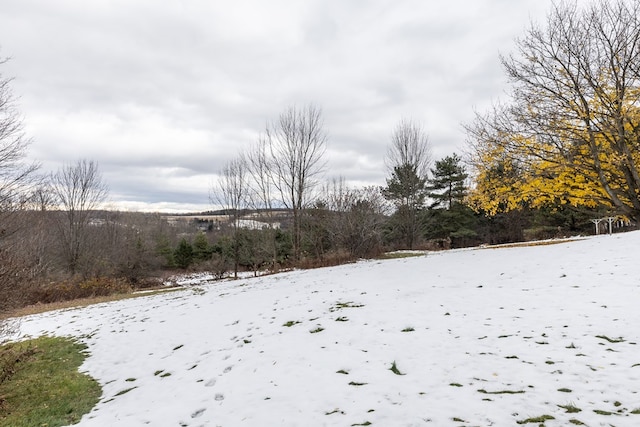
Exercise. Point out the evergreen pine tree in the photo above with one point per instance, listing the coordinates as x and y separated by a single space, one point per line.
407 190
183 255
163 249
201 249
448 217
447 187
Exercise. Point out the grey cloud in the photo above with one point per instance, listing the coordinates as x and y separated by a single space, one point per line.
162 94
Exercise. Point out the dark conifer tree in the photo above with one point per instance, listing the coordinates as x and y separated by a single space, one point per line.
447 185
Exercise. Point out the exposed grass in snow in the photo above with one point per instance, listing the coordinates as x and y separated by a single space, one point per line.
537 335
394 369
571 409
611 340
537 420
46 388
290 323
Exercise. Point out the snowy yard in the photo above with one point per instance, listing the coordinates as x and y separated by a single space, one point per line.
476 337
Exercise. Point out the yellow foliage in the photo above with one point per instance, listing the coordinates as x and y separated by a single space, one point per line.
588 162
509 179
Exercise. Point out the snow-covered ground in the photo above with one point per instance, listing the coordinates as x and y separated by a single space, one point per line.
480 337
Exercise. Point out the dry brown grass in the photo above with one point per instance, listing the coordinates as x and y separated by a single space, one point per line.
328 260
77 303
532 243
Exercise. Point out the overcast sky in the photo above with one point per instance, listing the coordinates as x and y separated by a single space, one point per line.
162 93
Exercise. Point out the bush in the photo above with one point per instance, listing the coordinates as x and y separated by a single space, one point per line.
542 232
329 259
217 265
70 290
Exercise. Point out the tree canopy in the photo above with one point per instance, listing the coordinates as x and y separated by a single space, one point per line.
570 131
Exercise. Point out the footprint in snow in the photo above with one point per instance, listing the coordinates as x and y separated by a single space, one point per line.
219 397
227 369
210 383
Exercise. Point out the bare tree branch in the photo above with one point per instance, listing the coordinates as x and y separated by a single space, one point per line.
297 144
409 146
79 190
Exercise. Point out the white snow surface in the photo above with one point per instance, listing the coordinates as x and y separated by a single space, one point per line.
483 337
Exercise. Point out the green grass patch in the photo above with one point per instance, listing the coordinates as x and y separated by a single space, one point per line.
635 411
394 369
576 422
45 388
483 391
125 391
455 385
611 340
340 305
342 319
342 371
409 329
571 409
316 330
601 412
353 383
290 323
540 419
565 390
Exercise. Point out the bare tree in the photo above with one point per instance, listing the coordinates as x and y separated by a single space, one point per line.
232 193
42 199
17 178
261 196
409 146
408 159
79 190
297 144
356 217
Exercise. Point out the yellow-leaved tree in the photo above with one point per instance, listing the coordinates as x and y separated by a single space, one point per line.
570 132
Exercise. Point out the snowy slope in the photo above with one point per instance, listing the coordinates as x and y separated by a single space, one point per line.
482 337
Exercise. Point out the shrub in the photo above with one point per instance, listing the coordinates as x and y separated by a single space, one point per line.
542 232
70 290
217 264
329 259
